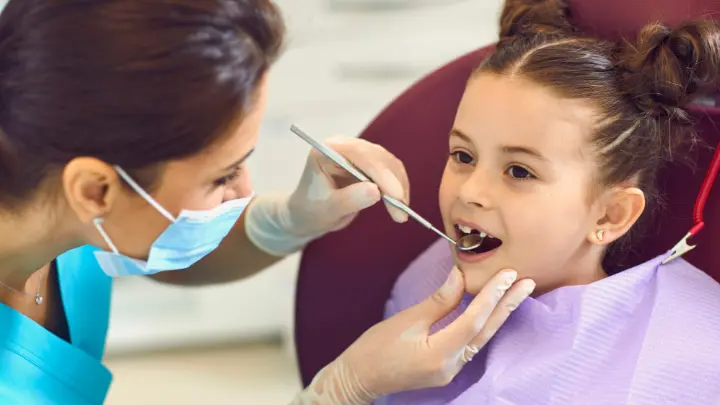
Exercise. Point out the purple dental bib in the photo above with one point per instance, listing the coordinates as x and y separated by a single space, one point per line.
649 335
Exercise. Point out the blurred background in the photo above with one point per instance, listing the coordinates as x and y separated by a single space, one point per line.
345 60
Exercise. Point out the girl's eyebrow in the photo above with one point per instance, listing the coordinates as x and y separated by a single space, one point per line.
512 150
508 149
458 133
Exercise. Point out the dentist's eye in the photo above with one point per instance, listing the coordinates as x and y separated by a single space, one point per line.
519 173
222 181
462 157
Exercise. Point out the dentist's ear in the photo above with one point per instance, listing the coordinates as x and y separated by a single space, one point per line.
91 187
620 209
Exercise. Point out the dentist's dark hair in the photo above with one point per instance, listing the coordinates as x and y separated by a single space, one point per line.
131 82
640 88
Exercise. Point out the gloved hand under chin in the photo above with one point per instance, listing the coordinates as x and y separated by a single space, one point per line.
327 197
400 353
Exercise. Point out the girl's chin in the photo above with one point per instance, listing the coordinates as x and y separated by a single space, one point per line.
475 278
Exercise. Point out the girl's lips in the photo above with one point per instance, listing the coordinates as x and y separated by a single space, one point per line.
469 257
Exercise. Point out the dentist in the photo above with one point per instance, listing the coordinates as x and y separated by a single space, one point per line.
125 126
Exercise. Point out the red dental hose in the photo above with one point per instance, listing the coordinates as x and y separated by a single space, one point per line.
704 194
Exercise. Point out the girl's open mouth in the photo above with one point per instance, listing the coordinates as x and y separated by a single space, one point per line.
489 242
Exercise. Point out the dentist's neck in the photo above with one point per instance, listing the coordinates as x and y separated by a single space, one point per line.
29 240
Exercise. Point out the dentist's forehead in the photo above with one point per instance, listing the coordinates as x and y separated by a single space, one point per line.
239 141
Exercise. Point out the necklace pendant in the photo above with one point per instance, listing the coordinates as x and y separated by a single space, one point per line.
38 299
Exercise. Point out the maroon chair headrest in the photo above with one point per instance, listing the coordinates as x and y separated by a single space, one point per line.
614 19
346 277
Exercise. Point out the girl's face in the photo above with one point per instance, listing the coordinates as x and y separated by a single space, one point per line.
521 170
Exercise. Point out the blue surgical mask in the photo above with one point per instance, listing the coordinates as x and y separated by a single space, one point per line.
190 237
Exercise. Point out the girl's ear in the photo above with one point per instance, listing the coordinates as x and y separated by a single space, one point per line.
620 209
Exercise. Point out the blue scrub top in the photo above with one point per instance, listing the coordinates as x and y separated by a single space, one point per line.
36 366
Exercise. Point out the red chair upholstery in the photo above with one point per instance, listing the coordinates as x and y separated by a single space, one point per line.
346 277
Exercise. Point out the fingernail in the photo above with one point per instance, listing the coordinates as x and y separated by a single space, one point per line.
528 288
452 278
404 217
391 184
397 215
509 278
451 281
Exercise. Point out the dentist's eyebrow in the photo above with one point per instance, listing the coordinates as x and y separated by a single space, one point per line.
239 161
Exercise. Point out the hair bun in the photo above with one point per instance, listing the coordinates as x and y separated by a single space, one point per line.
668 68
522 18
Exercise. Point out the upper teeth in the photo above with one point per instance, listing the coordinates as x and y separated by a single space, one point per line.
468 230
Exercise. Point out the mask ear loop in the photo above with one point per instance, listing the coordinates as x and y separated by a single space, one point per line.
99 221
682 246
98 224
144 194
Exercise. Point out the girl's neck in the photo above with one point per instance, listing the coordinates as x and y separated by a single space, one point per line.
584 268
587 268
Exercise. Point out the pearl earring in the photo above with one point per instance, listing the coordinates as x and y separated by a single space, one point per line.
599 234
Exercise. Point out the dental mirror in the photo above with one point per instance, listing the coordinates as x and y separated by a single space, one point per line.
469 242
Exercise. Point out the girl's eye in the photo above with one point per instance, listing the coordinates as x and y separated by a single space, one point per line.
462 157
227 179
519 173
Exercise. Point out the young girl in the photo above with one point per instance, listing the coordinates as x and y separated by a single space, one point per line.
553 156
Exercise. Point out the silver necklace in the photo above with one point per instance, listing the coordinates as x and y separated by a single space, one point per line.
38 297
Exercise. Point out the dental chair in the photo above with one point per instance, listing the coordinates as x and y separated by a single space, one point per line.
345 278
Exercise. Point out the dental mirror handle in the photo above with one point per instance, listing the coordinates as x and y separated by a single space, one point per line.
342 162
414 215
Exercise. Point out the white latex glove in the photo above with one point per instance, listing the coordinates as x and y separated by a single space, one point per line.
399 354
327 197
